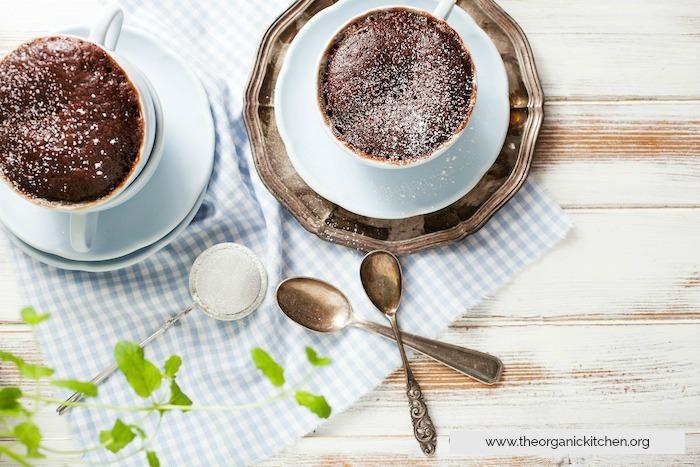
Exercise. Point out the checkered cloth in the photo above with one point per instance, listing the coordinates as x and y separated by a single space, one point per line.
91 312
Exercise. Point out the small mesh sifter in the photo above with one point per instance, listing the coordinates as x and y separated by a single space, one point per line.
227 282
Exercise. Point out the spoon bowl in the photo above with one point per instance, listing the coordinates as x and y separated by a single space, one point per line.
382 279
314 304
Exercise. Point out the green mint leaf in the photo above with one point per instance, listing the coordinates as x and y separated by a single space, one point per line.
152 459
269 367
27 370
88 389
14 412
9 402
316 404
8 397
118 437
177 397
16 457
28 434
143 376
171 366
30 317
315 360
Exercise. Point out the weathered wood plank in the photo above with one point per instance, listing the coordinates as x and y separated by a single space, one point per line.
615 264
619 130
610 66
612 50
617 154
629 17
555 376
394 451
25 19
10 300
638 182
631 154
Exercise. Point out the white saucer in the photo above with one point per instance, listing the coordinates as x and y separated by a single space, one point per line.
377 192
112 264
174 190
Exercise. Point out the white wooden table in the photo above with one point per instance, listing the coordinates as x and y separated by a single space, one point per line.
604 331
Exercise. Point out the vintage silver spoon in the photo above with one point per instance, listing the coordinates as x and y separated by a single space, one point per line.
321 307
380 273
227 282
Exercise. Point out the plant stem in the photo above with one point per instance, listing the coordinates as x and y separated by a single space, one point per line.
306 379
12 454
69 452
9 428
37 393
213 408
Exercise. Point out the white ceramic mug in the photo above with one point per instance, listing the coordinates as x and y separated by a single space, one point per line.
441 12
84 216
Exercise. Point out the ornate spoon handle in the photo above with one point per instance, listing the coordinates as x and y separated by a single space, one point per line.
423 428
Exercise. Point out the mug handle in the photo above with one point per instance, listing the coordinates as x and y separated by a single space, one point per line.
82 230
108 27
444 8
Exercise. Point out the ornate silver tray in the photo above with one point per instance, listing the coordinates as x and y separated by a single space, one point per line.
400 236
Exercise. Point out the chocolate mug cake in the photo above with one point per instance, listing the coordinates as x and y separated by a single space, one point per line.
395 85
71 123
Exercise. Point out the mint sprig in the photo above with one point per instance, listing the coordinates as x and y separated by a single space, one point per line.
18 408
275 374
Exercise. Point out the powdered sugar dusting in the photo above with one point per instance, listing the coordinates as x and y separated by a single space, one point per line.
396 85
227 281
70 122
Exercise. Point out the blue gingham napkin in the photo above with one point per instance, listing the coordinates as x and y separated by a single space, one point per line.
91 312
